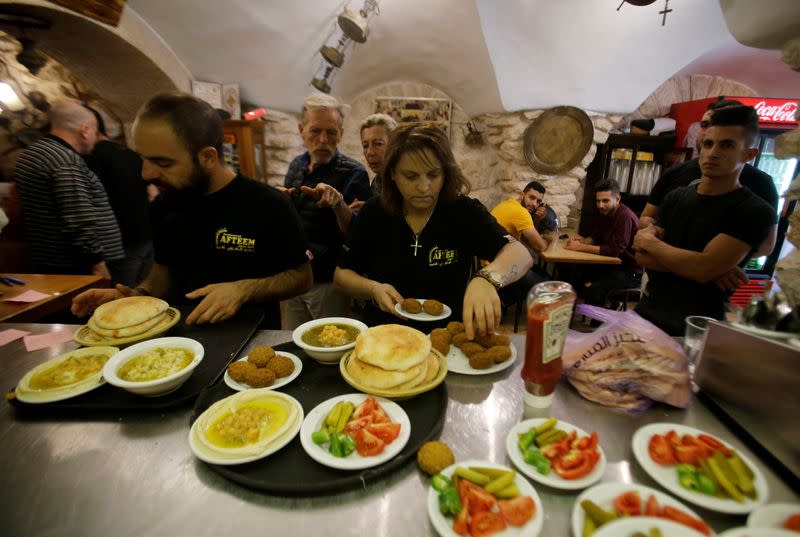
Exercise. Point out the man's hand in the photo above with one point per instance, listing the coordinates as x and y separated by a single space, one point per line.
645 237
325 194
481 308
356 205
574 244
100 269
285 190
646 221
731 280
539 214
88 301
386 296
222 301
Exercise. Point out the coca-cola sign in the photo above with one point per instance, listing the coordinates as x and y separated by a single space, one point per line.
778 111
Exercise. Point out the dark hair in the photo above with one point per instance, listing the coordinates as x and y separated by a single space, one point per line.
607 184
101 125
722 103
738 116
536 185
415 139
193 121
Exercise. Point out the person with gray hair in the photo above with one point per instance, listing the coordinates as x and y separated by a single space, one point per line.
69 223
375 131
322 183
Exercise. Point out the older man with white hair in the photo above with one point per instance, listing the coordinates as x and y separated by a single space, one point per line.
322 184
69 223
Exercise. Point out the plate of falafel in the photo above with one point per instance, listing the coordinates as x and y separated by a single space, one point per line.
420 309
482 355
263 367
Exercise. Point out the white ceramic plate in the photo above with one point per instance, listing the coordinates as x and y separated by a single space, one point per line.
422 316
457 362
603 495
552 479
444 526
628 526
772 515
774 334
794 341
354 461
239 386
758 532
205 455
667 477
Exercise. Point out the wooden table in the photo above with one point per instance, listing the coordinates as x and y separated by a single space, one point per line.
61 287
557 253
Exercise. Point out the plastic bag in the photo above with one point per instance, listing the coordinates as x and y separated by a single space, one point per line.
627 362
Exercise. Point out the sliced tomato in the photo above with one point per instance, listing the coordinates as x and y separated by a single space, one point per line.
703 451
571 460
661 450
687 520
367 444
465 487
793 523
673 438
714 444
480 500
582 464
555 450
518 511
593 441
385 431
651 508
688 454
366 407
461 522
380 415
486 523
354 425
628 503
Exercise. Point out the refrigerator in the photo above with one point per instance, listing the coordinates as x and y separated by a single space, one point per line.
776 116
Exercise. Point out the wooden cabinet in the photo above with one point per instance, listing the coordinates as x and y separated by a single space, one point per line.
636 163
244 148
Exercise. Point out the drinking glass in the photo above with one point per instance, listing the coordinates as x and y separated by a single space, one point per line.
696 326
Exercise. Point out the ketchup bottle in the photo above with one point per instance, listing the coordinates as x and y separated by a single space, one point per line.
549 312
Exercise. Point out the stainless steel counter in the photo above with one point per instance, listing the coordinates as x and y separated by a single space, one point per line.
135 475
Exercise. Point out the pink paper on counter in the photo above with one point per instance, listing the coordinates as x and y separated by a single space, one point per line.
42 341
28 296
12 334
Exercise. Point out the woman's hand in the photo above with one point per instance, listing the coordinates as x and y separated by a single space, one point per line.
481 308
386 296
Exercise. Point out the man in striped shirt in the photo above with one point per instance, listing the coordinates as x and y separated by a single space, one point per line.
69 223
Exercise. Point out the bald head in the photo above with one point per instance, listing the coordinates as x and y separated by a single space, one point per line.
75 124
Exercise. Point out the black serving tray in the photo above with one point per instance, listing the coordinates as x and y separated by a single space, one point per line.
290 471
222 342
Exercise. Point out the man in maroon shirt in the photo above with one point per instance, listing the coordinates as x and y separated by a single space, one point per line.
615 227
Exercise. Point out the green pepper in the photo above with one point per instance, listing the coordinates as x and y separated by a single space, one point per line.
320 437
534 457
526 440
336 448
706 485
449 502
687 476
440 483
346 442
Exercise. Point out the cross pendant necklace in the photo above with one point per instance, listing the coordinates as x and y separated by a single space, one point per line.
416 246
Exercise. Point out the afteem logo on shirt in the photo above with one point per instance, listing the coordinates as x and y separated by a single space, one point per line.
439 257
232 242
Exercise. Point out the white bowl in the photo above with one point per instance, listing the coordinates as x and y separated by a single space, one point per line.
162 386
326 355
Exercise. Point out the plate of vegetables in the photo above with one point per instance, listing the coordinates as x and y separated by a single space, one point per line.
645 526
776 515
355 431
608 503
556 453
481 498
700 468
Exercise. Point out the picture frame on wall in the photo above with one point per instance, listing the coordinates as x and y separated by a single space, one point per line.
210 92
417 110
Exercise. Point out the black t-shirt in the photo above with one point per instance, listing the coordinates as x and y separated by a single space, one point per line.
757 181
245 230
379 247
690 221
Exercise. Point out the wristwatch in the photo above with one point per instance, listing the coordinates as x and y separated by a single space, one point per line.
490 276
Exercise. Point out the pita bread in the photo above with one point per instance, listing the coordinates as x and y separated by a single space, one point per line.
129 311
374 377
134 330
433 369
392 347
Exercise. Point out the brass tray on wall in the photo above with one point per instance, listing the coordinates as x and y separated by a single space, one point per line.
558 139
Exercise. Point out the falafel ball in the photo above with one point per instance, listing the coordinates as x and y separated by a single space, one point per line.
411 305
433 307
239 370
440 340
281 366
459 339
259 356
434 456
481 360
470 347
455 327
492 340
260 377
499 353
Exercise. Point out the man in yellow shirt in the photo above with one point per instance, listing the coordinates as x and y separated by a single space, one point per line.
515 214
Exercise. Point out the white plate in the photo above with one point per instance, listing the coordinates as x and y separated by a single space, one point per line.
794 341
774 334
603 495
552 479
772 515
205 455
422 316
457 362
667 477
758 532
628 526
354 461
444 526
239 386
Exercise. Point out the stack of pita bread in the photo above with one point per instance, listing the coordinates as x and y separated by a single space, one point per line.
128 317
392 357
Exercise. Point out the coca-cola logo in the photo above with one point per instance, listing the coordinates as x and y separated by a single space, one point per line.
776 114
